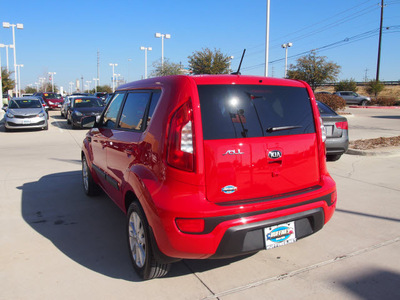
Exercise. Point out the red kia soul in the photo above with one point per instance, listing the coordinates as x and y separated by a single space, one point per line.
210 166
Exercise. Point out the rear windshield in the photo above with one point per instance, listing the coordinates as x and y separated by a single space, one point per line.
240 111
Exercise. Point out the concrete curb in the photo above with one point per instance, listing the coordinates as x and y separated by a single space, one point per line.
389 151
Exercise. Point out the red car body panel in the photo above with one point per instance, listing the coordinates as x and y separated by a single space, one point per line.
136 163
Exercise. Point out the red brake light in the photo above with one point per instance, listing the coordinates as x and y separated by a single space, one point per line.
342 125
180 139
190 225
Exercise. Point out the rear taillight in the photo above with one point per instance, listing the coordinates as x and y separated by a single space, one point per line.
342 125
180 153
323 130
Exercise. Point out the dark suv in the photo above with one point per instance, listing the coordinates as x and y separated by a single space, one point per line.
210 166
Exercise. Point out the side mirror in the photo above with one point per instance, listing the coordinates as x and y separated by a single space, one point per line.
89 122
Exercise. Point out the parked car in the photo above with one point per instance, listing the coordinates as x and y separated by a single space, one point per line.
81 107
210 166
337 132
6 99
66 104
101 95
353 98
23 113
53 100
44 104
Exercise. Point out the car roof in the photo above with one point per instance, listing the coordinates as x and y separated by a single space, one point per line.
158 82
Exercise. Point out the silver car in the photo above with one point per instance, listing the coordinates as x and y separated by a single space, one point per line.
24 113
354 98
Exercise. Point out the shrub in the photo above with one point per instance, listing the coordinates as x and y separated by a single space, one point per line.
346 85
375 87
384 101
333 101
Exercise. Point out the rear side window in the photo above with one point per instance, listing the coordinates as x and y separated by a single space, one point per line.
134 111
240 111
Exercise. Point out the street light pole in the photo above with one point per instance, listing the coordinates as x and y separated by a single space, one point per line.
52 80
70 87
19 26
1 81
88 84
286 46
162 36
267 41
19 79
113 76
145 59
95 80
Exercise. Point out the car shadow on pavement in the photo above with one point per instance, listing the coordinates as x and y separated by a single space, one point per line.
376 284
89 230
387 117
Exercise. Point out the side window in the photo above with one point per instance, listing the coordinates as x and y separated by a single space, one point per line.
110 116
154 100
134 111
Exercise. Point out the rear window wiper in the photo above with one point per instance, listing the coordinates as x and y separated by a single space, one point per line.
273 129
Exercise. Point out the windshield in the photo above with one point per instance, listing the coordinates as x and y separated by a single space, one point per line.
25 104
82 102
241 111
50 96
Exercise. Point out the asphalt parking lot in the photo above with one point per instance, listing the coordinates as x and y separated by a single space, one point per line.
56 243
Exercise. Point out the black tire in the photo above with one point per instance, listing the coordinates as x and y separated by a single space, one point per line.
140 248
363 103
68 120
333 157
89 186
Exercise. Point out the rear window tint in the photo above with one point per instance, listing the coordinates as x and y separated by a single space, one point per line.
239 111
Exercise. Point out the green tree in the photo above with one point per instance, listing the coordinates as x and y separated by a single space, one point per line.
209 62
104 88
169 68
30 90
346 85
7 82
313 69
375 87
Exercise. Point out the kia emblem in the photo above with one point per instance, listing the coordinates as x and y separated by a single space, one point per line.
275 154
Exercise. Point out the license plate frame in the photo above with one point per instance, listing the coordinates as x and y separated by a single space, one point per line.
280 235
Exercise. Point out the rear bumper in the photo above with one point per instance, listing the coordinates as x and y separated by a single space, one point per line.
249 238
236 230
337 145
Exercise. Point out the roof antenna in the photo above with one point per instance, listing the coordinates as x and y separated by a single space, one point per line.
238 70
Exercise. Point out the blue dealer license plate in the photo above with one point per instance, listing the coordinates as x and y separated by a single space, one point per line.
279 235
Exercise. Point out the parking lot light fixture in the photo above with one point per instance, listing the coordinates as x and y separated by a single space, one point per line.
145 59
113 75
286 46
19 26
96 83
52 80
162 36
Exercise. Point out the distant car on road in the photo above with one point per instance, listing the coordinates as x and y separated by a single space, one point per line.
81 107
353 98
23 113
337 132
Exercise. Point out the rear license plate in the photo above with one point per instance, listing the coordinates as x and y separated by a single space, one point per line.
26 121
329 130
279 235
